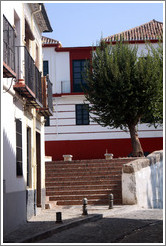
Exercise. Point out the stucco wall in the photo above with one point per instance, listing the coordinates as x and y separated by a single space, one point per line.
59 67
18 198
142 181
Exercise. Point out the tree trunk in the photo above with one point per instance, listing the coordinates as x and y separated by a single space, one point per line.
136 145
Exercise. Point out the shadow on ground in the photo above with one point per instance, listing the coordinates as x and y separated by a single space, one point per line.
111 230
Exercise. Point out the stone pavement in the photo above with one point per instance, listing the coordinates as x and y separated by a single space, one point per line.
44 225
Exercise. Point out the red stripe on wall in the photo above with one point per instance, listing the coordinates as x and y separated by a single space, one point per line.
95 149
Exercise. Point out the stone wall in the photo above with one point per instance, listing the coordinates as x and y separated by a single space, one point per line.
142 181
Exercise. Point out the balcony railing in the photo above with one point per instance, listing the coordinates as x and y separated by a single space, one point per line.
38 84
28 78
49 93
8 50
47 109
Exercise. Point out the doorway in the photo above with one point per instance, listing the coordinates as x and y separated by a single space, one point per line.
29 157
38 162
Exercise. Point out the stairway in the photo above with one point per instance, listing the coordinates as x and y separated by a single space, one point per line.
68 183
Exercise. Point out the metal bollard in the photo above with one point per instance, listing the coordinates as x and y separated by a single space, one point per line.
111 200
84 207
58 217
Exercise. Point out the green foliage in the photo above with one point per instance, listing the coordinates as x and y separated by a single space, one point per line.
122 88
153 66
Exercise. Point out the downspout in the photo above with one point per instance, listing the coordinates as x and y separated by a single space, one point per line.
33 161
39 10
34 164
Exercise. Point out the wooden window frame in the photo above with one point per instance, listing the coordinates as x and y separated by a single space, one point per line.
78 75
82 114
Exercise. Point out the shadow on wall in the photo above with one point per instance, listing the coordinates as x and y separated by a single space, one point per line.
156 178
14 202
9 156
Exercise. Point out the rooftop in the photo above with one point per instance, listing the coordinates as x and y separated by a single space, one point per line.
151 30
50 41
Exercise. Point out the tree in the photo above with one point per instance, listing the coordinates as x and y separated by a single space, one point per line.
123 89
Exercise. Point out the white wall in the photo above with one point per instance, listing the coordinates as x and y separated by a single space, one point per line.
144 48
16 202
8 7
9 147
59 68
142 181
63 124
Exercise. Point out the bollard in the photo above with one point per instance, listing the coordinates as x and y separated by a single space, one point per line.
111 200
58 217
85 202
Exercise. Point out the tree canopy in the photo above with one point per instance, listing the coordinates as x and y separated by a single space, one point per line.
124 89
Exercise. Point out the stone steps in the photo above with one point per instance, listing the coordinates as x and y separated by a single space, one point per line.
83 173
81 192
68 183
90 202
60 188
83 183
82 178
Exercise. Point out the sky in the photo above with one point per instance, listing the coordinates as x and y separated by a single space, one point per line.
77 24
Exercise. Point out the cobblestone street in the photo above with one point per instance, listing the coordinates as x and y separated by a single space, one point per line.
141 226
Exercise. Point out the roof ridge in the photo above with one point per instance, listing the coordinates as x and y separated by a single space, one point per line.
139 32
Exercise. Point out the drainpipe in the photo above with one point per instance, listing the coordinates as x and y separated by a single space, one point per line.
34 170
39 10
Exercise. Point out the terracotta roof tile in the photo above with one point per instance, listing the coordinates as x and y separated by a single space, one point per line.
46 40
148 31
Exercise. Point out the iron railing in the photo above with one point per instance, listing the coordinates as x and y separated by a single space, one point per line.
8 44
38 84
49 94
29 71
31 74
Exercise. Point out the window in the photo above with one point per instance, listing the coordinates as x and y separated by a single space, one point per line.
45 68
82 114
28 34
78 76
19 147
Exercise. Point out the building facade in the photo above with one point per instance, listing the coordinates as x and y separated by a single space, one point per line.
26 100
71 130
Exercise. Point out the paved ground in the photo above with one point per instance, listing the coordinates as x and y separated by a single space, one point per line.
122 224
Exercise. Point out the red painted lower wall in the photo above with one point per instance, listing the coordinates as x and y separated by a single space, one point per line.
95 149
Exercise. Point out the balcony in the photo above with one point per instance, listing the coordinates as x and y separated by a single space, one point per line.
8 50
47 109
28 78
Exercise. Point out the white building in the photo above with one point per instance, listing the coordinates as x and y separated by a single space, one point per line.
71 130
25 102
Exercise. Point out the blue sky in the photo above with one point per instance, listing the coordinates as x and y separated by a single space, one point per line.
83 23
